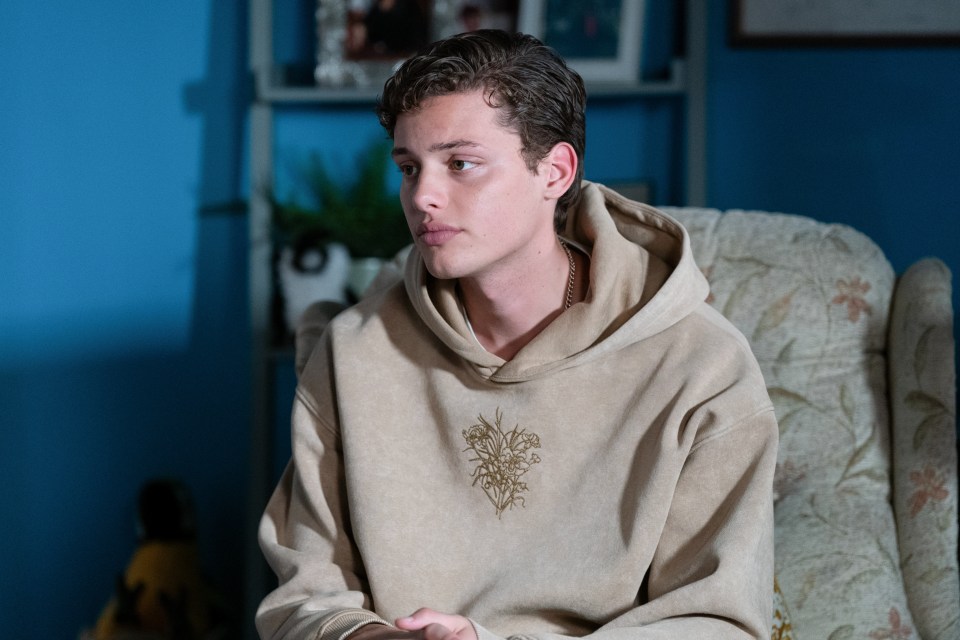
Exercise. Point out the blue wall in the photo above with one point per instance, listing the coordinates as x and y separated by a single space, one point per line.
866 137
123 322
124 349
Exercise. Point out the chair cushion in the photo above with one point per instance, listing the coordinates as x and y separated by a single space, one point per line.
813 300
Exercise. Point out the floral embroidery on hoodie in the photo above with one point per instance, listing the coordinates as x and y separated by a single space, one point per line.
503 458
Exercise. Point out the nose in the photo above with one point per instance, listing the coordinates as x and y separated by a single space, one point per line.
428 192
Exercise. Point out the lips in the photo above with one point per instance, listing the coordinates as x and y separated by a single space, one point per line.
434 234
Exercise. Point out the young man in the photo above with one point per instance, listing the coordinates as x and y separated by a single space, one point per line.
533 434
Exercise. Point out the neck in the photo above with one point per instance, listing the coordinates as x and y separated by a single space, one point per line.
507 312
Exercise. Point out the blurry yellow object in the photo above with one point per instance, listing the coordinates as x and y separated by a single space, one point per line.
173 593
162 593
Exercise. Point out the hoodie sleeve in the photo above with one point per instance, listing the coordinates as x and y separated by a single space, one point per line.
305 536
712 572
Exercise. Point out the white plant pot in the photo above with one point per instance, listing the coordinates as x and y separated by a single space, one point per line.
318 279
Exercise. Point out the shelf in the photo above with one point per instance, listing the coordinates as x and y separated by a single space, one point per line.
273 91
318 95
647 88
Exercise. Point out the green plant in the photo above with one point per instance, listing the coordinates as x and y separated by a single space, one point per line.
364 216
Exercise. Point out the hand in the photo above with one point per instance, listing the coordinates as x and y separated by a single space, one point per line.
438 626
424 624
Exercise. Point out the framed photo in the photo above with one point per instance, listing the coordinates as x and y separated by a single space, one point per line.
360 42
844 22
386 29
601 40
470 15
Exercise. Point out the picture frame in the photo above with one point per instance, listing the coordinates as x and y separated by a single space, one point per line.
357 47
602 47
844 22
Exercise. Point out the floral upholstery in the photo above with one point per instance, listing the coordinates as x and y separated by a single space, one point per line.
861 465
781 628
922 392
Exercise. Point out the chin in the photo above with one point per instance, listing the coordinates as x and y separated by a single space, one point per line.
440 269
440 273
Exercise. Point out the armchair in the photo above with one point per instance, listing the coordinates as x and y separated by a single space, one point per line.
859 365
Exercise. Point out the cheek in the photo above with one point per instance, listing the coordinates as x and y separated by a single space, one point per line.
408 211
404 196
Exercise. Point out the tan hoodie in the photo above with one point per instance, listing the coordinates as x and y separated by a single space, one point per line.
614 479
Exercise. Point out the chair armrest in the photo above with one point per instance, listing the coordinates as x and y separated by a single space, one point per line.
923 420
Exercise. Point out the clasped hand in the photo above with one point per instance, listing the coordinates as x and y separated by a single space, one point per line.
424 624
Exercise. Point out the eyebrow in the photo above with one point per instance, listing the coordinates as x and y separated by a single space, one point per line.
439 146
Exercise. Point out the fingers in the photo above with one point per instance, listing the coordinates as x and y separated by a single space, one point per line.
430 631
420 619
438 632
434 625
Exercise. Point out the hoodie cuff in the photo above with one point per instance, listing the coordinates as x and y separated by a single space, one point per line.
484 633
342 624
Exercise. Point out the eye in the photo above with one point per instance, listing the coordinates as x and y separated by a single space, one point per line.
408 170
462 165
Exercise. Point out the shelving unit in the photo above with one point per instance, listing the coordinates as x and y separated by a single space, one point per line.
687 81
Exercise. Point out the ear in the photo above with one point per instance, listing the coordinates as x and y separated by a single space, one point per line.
560 165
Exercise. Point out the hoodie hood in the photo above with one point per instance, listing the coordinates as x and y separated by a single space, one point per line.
643 280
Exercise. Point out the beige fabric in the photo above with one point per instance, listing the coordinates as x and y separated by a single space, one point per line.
813 300
473 485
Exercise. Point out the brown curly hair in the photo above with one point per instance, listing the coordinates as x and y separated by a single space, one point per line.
538 96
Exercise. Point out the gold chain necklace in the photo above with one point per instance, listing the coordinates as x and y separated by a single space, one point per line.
573 274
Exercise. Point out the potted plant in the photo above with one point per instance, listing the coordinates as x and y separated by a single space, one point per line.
332 246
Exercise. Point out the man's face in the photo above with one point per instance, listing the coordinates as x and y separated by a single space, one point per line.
473 206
